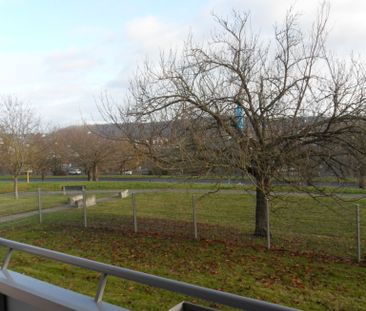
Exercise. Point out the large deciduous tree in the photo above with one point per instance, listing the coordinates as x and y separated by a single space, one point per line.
242 103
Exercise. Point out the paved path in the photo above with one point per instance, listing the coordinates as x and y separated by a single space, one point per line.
65 207
33 213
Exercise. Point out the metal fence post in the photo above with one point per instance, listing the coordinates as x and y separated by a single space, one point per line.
134 212
358 232
194 214
84 209
40 205
268 227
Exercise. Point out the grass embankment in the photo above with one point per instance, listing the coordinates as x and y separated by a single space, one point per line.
306 269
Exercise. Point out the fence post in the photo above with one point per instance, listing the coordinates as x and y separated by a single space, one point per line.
134 212
40 205
84 209
194 217
358 232
268 227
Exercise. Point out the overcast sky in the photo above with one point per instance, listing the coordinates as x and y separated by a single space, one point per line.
59 56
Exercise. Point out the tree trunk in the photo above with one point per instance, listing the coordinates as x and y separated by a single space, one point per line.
95 172
122 168
262 190
88 172
362 177
15 187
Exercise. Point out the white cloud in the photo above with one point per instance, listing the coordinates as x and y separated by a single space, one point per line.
64 82
346 22
71 60
144 37
151 34
57 85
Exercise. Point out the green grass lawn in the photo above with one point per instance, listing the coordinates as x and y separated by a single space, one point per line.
28 201
297 222
311 266
303 281
7 187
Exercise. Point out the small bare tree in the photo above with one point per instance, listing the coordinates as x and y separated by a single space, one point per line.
242 104
18 124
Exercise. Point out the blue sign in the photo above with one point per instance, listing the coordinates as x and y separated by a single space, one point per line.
239 117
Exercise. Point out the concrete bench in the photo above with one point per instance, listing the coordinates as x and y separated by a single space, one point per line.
123 194
91 200
74 199
73 188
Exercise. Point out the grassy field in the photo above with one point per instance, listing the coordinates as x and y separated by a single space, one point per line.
6 186
311 266
298 223
303 281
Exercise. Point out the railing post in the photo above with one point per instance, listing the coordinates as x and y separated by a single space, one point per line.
358 232
101 286
40 205
134 212
194 217
84 209
7 259
268 226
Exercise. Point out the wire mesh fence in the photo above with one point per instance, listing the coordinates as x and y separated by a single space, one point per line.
324 226
29 202
297 223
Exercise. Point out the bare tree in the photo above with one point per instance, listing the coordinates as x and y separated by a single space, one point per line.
87 149
242 104
18 124
123 157
357 154
47 155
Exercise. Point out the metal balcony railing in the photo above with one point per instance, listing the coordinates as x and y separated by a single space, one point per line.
106 270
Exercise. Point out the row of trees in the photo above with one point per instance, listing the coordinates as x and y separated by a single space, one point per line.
25 146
